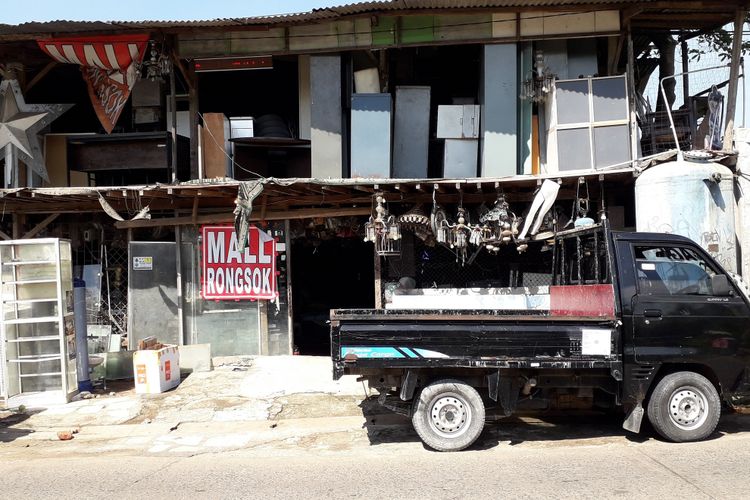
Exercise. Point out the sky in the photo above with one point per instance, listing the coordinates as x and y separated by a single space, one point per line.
16 12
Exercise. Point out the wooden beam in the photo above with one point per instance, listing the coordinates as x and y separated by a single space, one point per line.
195 210
40 227
38 77
5 236
304 213
734 73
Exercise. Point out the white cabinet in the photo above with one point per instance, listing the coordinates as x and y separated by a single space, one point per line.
37 327
458 121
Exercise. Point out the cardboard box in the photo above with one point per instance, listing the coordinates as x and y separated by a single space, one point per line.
157 370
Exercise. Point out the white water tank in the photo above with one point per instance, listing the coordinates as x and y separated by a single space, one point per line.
692 199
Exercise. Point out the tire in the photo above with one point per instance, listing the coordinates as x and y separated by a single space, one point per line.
448 415
684 407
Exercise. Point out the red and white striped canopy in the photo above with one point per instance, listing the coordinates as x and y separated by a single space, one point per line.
110 53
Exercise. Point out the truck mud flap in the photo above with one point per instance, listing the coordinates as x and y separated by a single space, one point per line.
504 390
634 419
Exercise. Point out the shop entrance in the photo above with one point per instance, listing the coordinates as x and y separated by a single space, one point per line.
332 273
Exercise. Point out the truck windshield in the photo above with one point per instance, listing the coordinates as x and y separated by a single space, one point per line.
672 271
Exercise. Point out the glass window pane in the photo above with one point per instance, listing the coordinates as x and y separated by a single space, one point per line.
574 149
672 271
610 102
572 102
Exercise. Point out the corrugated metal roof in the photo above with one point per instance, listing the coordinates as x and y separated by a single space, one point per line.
31 29
326 13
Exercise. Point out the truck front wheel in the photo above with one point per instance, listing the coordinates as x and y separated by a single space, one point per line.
684 406
448 415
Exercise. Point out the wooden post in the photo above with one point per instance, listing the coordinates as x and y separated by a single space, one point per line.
173 117
685 76
194 121
378 282
631 101
734 73
178 265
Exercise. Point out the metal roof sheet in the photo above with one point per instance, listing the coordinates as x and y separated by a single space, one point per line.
325 13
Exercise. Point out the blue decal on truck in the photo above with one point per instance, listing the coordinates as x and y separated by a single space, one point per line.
372 352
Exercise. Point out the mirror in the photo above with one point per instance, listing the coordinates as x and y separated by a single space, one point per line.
720 285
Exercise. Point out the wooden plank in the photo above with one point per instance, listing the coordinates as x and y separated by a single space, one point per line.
304 213
734 73
40 227
39 76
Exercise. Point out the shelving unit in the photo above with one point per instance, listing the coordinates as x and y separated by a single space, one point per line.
37 327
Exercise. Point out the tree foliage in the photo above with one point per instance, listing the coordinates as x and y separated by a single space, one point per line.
720 42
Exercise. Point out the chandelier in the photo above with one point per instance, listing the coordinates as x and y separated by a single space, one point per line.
383 230
539 84
157 65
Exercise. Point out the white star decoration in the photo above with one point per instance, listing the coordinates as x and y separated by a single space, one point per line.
20 123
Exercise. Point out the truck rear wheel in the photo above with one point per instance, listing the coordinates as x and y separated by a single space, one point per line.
684 406
448 415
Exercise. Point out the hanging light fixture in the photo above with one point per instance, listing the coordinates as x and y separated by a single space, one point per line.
540 81
383 230
157 65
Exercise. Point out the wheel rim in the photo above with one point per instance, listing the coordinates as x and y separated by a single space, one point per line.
450 415
688 408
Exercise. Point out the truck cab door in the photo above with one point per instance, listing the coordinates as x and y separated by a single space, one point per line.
680 314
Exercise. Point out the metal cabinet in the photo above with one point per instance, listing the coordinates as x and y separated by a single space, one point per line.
371 136
411 133
37 327
458 121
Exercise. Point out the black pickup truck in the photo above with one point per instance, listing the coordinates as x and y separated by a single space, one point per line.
642 322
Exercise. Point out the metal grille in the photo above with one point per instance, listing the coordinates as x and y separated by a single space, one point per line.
114 306
439 267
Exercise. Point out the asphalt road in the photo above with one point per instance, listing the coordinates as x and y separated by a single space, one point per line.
586 457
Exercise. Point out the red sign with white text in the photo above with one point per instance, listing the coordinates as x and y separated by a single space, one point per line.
229 273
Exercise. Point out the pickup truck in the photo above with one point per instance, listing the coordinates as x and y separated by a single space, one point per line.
643 323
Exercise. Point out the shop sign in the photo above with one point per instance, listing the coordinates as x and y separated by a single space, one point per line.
229 273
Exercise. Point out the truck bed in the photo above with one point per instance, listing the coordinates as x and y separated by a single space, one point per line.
393 338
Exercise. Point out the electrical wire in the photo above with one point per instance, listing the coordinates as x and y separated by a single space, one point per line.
221 148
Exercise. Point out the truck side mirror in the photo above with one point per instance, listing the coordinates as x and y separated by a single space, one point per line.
720 286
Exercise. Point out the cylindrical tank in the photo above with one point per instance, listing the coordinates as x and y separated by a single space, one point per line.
82 351
692 199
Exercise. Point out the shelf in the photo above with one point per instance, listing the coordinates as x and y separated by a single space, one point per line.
30 282
40 338
29 262
28 321
37 360
48 374
27 301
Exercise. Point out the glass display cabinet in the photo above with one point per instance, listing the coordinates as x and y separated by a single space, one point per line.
37 327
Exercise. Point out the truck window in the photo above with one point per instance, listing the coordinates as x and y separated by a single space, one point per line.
666 270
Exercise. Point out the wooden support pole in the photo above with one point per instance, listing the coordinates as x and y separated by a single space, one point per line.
631 101
194 123
734 74
18 220
39 76
40 227
685 76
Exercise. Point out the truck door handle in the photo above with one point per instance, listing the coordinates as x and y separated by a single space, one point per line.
652 313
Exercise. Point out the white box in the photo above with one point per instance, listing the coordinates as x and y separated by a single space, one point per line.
156 371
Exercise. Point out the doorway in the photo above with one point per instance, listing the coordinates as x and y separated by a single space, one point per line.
332 273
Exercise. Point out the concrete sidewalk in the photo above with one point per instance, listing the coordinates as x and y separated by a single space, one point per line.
239 389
